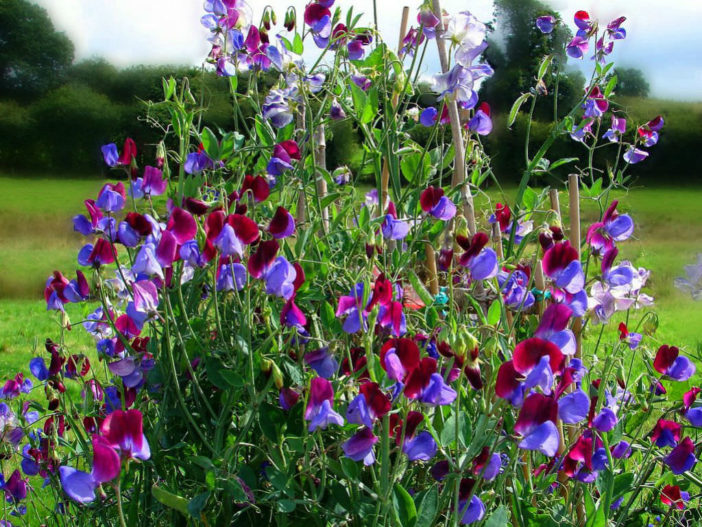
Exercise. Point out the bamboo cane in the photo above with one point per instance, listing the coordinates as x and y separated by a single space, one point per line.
301 212
574 197
459 171
320 161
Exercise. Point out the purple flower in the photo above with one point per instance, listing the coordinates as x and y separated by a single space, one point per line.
110 154
437 392
577 47
394 229
635 155
231 277
358 411
276 107
617 129
196 162
514 289
322 362
78 485
428 116
38 368
336 112
319 405
545 23
280 278
421 447
471 512
682 457
573 408
360 446
606 420
153 182
481 123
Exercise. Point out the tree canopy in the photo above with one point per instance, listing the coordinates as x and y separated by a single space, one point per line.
33 55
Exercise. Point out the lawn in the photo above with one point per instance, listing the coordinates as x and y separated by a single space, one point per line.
36 237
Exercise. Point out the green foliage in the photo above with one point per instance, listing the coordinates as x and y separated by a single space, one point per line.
33 55
631 82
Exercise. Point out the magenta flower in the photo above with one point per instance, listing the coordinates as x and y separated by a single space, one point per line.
682 457
282 224
554 328
612 228
537 424
669 362
561 264
577 47
319 405
153 182
435 203
480 260
666 433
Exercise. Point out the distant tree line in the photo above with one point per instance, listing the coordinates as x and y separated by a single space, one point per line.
55 113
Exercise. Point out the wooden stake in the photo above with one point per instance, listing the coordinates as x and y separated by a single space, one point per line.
320 161
459 172
431 268
574 197
301 212
555 203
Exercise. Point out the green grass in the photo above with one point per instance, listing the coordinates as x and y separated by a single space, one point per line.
36 237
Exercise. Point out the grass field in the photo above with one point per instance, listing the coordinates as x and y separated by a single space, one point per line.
36 237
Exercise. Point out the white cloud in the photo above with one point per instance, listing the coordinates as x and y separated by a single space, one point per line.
663 38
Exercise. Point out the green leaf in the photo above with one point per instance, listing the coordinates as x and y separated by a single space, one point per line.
494 312
622 484
235 490
427 508
286 506
169 87
419 288
415 164
544 66
562 161
499 518
263 133
298 46
515 108
209 142
197 504
404 506
610 86
170 500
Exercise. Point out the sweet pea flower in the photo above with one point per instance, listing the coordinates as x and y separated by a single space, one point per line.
682 457
282 224
231 277
634 155
613 227
434 202
394 229
536 423
617 130
473 510
283 155
669 362
481 261
666 433
360 446
561 264
577 47
672 495
513 286
481 123
319 405
546 23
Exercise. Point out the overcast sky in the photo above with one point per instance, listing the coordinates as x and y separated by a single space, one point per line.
664 38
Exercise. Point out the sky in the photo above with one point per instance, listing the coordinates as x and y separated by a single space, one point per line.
664 39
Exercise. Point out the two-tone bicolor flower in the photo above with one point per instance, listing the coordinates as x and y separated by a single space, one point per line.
672 495
537 424
554 328
562 265
648 133
596 104
360 446
283 155
319 409
670 363
472 510
481 122
370 404
514 288
613 227
682 457
433 202
318 18
426 385
635 155
399 357
666 433
111 197
113 158
481 261
617 130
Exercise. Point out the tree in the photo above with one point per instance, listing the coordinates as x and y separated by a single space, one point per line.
516 53
631 82
33 55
